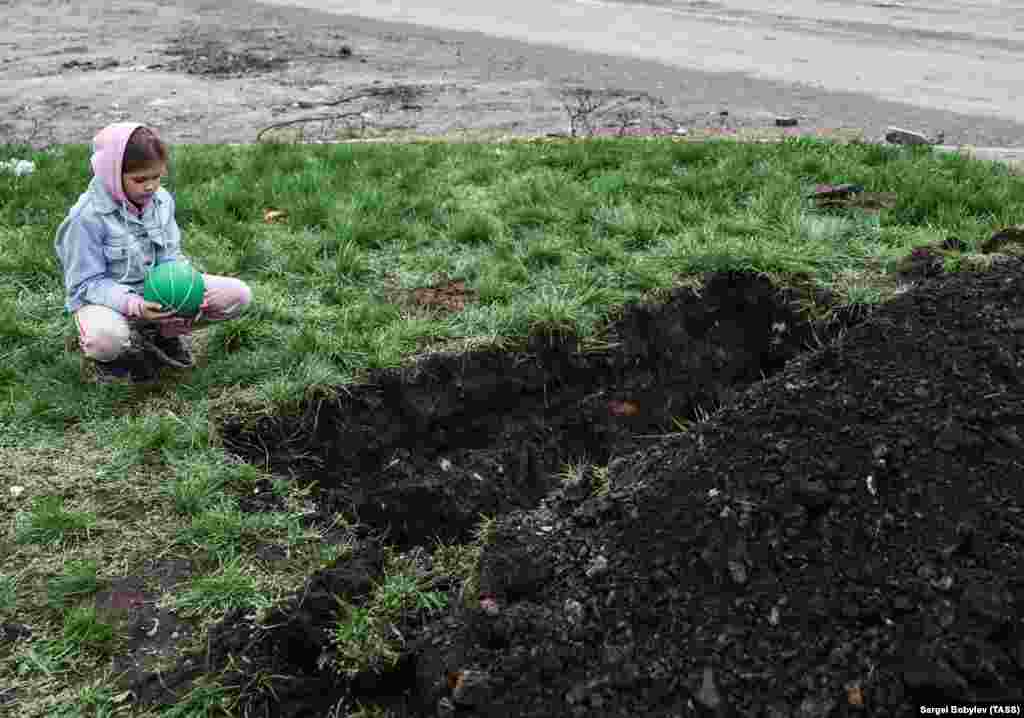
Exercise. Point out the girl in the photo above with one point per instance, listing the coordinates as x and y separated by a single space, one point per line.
119 228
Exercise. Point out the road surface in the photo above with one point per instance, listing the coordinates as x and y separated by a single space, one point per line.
962 57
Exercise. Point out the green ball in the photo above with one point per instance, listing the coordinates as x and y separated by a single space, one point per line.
175 285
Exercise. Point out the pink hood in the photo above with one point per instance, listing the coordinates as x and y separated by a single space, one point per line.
108 156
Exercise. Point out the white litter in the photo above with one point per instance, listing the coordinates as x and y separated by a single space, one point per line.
19 167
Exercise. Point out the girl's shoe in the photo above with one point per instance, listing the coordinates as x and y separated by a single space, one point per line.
125 370
172 351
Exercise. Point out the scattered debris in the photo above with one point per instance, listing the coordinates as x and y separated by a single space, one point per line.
899 136
20 168
851 195
472 688
623 408
836 191
786 122
1008 240
489 605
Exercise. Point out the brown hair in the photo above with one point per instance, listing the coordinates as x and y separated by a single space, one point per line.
143 150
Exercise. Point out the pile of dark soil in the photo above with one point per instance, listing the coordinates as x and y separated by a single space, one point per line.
842 538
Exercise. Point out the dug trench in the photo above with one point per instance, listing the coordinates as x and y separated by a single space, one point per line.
837 532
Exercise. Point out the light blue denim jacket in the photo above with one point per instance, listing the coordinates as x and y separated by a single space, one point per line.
106 245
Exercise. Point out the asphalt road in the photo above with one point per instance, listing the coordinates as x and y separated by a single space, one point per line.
963 57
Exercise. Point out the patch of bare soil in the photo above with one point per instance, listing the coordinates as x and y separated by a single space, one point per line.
841 537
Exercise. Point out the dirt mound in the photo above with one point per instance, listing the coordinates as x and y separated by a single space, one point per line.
842 538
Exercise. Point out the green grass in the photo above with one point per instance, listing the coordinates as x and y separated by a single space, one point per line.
553 236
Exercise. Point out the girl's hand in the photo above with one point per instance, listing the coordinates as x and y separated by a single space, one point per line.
151 311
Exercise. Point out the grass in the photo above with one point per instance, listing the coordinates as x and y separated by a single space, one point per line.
553 235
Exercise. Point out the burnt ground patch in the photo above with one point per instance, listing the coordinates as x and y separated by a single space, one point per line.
842 538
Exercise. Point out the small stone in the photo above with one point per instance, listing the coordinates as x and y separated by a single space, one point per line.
445 708
597 566
574 610
869 481
445 465
17 491
708 695
472 688
820 707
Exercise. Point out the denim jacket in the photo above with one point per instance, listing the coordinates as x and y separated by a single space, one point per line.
106 246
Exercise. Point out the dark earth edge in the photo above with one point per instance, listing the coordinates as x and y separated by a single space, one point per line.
748 567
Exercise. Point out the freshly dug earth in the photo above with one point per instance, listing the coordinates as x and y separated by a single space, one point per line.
840 538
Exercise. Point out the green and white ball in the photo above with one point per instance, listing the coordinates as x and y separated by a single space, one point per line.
175 285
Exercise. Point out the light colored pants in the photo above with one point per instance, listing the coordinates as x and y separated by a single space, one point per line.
104 334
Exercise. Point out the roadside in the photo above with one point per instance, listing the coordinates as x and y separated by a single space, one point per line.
203 74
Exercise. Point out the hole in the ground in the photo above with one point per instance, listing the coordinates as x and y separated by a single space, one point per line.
422 452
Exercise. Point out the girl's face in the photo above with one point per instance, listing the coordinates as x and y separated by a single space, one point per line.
141 185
